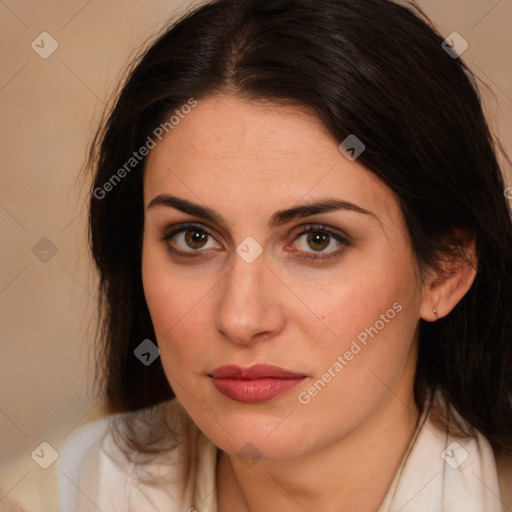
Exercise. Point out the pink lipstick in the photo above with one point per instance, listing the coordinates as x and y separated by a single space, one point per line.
256 384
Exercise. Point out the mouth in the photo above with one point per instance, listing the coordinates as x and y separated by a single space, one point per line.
255 384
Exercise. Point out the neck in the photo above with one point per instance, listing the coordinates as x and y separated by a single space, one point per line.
352 473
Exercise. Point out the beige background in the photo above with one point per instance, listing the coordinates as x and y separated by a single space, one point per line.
49 108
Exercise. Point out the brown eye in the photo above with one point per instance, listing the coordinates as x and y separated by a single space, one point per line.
195 238
318 240
319 243
190 240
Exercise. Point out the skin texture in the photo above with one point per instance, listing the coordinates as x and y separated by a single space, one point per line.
247 160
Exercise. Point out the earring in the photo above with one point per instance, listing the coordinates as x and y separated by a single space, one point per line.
435 313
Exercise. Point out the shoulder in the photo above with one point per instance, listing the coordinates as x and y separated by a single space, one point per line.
100 466
79 445
468 459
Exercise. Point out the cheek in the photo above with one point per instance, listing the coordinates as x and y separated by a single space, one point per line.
372 319
367 335
160 290
178 308
370 292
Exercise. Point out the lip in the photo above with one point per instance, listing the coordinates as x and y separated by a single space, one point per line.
256 384
257 371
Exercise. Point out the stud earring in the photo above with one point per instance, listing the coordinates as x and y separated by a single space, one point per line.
435 313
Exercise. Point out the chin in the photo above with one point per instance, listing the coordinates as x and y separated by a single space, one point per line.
267 440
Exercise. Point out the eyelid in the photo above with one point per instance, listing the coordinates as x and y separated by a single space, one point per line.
177 228
311 226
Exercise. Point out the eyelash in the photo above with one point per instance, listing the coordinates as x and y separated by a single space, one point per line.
306 256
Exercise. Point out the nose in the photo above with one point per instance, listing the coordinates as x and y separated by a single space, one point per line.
249 309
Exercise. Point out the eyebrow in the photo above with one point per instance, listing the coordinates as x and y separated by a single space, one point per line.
278 218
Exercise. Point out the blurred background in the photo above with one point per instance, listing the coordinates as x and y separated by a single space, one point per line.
60 64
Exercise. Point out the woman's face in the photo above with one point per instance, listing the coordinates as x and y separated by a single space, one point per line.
246 284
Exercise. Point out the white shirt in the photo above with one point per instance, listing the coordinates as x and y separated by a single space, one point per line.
438 473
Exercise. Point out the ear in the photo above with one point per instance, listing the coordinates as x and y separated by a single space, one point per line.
445 288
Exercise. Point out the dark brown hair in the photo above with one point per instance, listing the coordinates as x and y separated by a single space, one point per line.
371 68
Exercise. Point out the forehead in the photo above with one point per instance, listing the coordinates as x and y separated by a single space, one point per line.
233 154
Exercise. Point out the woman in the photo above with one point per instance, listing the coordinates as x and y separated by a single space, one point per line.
305 253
